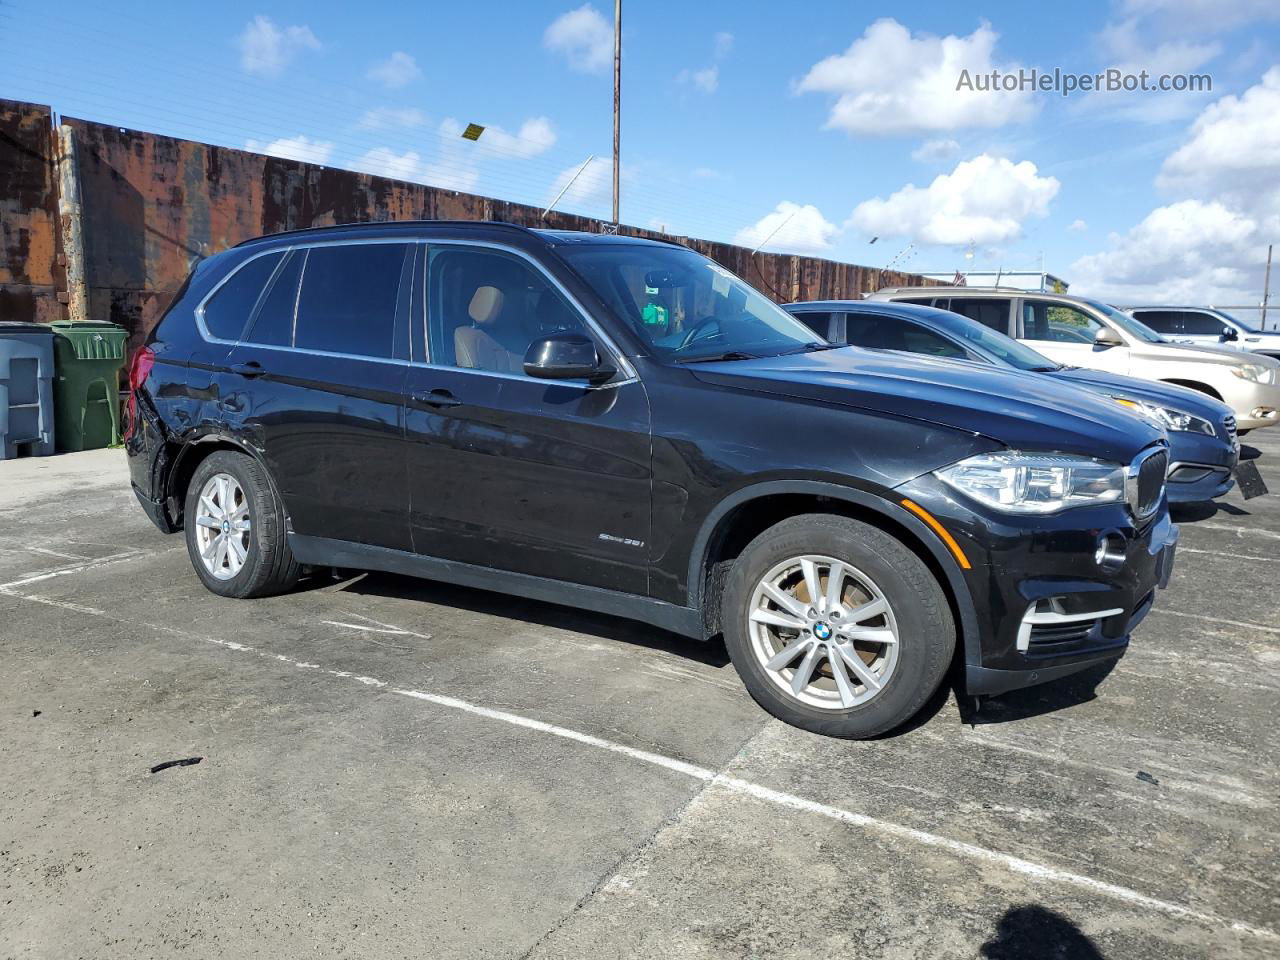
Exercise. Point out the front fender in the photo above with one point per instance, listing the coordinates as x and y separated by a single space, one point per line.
898 515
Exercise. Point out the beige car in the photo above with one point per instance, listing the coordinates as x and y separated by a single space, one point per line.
1080 332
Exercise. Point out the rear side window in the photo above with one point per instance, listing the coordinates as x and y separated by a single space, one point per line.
1161 321
274 323
922 301
989 313
348 299
819 323
230 308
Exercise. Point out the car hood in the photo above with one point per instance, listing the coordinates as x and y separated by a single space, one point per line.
1024 411
1185 353
1164 394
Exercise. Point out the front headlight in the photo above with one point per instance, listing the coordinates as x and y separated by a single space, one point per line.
1252 371
1035 482
1171 418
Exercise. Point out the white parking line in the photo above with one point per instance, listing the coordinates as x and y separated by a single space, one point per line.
742 787
1229 556
1238 531
76 568
1200 616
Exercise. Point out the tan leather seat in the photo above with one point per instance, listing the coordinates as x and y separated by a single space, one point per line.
476 348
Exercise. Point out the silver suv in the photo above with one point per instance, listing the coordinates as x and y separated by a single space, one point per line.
1207 327
1081 332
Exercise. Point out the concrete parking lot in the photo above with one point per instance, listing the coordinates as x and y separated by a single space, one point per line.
397 768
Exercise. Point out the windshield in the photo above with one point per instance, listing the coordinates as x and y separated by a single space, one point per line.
1005 349
1246 327
687 307
1135 328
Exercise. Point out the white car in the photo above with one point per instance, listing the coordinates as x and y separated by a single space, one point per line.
1088 333
1207 327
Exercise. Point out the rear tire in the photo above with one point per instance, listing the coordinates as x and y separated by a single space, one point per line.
859 659
235 529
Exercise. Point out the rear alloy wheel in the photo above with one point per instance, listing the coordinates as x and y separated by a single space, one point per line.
223 528
835 626
236 530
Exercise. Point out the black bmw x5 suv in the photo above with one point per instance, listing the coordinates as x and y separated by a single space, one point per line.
625 426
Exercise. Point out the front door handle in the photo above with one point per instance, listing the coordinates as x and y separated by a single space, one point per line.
435 398
251 368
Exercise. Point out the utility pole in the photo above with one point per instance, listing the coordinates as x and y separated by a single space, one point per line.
617 102
1266 289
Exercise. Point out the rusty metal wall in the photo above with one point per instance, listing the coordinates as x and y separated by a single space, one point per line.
153 204
30 277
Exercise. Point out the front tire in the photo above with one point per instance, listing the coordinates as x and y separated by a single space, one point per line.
836 627
235 529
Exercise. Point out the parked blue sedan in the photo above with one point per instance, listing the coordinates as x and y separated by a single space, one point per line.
1204 449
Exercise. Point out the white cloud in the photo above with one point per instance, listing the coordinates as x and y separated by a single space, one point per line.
294 148
933 151
1233 150
398 70
584 37
1209 244
535 136
1202 15
1185 252
1078 226
382 118
385 162
983 201
890 82
723 44
593 188
1130 48
790 228
706 80
266 49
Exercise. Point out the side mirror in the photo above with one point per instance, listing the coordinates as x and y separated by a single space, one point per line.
1229 334
566 356
1106 337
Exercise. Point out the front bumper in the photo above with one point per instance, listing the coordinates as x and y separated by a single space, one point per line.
1256 405
1043 605
1200 466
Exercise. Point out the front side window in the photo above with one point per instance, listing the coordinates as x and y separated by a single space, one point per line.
885 332
996 345
231 307
348 299
486 308
1202 324
818 322
1058 322
686 307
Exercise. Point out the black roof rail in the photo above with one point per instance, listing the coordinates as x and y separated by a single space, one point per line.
371 224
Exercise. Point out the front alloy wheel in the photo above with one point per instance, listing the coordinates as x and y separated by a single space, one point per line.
836 626
823 632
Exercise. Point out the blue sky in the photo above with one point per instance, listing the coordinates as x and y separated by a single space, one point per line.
839 119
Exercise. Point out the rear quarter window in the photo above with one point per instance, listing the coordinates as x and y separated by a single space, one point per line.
228 311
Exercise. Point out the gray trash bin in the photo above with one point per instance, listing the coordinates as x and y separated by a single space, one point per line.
26 390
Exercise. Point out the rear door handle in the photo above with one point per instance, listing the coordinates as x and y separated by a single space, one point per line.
251 368
435 398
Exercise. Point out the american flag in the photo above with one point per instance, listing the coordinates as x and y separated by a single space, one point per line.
959 280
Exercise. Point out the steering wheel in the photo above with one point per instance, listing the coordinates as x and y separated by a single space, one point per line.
696 329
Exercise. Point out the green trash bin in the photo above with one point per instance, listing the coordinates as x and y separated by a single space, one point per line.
86 387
